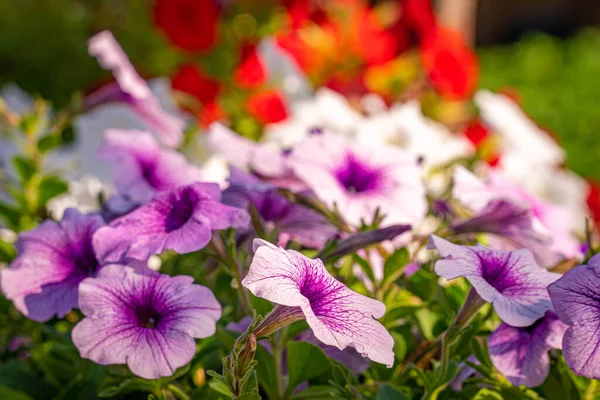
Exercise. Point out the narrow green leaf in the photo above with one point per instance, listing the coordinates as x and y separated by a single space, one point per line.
387 392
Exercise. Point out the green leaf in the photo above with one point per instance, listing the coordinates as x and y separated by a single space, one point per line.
50 186
364 265
305 361
400 346
7 393
128 386
318 392
248 396
265 371
48 143
25 168
487 394
10 215
387 392
427 321
395 264
220 387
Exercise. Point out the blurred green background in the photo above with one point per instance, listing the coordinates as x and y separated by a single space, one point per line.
43 50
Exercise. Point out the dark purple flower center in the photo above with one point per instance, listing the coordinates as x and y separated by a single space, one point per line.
357 176
149 174
181 211
147 316
497 271
273 207
85 262
318 290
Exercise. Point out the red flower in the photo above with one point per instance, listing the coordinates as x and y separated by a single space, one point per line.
191 80
418 16
377 45
476 132
210 113
450 63
251 71
267 107
593 200
189 24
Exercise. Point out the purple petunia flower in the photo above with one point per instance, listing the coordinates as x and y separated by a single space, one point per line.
510 280
53 259
132 90
521 354
141 168
337 315
181 220
143 319
576 297
548 222
359 179
292 221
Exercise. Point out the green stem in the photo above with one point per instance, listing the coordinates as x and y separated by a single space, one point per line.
180 394
277 343
591 390
470 308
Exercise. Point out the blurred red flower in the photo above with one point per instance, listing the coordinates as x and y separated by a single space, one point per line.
267 106
450 63
209 113
191 80
593 200
418 16
251 71
189 24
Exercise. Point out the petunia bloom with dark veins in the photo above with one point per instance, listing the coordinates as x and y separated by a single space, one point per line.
510 280
360 180
131 89
181 220
143 319
53 259
292 221
521 354
576 300
304 289
141 168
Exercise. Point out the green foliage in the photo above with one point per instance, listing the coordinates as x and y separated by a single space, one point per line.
557 81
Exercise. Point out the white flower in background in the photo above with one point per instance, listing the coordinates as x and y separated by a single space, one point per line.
521 136
532 159
84 194
327 110
404 125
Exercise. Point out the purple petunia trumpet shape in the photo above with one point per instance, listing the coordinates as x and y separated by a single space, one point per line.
131 89
292 221
181 220
510 280
360 180
143 319
337 315
141 168
53 259
521 354
576 300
